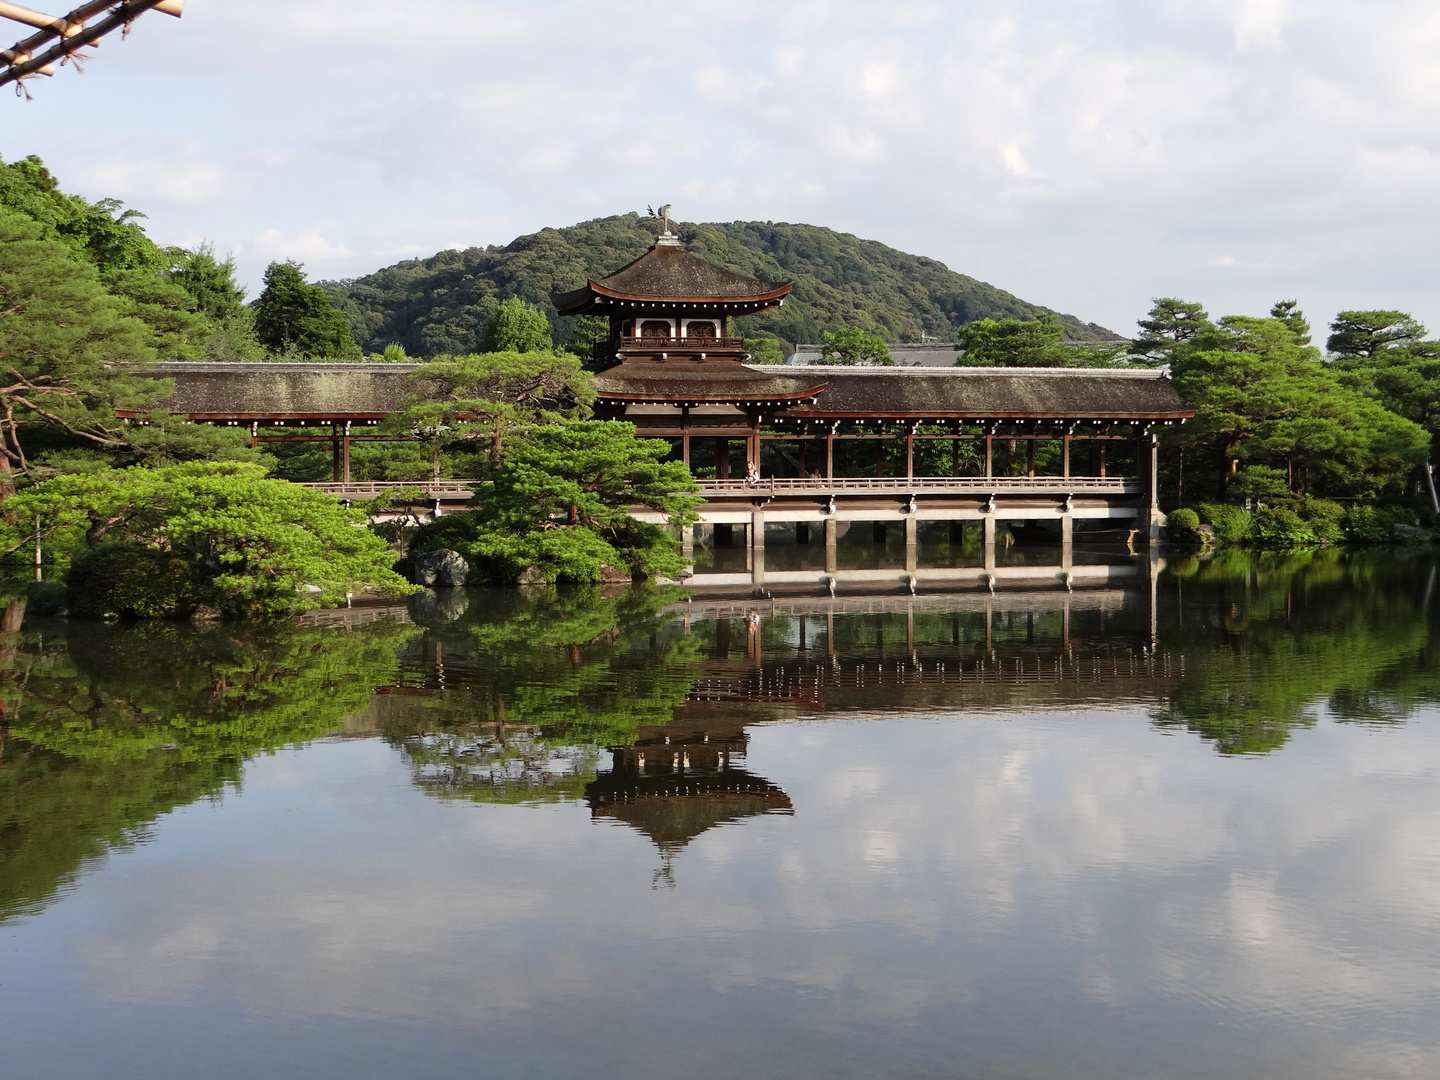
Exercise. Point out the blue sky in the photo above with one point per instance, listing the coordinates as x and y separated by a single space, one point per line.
1086 155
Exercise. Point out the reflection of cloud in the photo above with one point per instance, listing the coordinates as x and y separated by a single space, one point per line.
935 867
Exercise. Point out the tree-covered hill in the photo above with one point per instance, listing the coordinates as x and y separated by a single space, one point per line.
438 305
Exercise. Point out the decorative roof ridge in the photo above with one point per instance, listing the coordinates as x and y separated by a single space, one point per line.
917 370
239 366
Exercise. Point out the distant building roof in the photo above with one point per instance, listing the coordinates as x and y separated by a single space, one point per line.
668 274
904 354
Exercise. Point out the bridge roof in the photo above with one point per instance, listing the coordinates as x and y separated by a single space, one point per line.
983 393
356 392
285 391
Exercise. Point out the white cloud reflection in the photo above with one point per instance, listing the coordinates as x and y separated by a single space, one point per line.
1111 892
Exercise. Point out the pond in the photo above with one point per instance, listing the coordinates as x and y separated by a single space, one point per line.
1185 828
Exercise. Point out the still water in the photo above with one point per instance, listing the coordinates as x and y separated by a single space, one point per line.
1187 828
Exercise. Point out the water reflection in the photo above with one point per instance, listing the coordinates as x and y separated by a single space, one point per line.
636 702
674 783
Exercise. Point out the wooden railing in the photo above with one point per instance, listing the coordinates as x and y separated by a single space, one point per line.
445 490
922 485
683 345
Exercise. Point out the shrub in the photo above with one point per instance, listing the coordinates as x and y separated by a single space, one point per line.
1365 525
1232 524
1324 517
1282 529
130 580
1183 524
1264 483
45 598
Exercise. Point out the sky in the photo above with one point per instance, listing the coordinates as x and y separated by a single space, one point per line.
1084 155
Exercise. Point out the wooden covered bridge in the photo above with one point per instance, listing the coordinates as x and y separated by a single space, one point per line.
777 445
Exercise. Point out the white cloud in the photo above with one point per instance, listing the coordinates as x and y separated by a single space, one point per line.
305 246
1087 156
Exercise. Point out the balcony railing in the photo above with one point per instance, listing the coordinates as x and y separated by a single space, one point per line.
923 485
684 346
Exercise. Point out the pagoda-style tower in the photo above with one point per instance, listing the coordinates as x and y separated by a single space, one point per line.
670 306
670 365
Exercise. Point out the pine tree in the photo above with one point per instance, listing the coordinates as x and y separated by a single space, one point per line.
294 319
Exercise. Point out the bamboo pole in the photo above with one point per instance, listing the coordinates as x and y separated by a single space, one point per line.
23 61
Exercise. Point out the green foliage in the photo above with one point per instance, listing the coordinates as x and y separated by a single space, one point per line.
130 579
1027 343
232 340
209 282
44 598
439 305
1281 528
1263 483
296 319
559 501
1366 525
61 337
110 726
256 548
1262 398
852 345
768 350
1170 331
587 332
1183 524
475 402
516 327
1369 333
1324 517
179 295
1287 632
1231 523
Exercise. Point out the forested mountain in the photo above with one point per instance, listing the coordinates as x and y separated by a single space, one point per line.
438 305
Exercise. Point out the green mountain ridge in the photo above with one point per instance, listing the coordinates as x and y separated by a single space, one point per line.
439 305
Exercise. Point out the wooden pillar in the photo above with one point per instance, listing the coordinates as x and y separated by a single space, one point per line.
1103 447
335 455
910 452
880 453
830 453
753 465
345 455
722 459
757 547
1065 453
685 434
989 451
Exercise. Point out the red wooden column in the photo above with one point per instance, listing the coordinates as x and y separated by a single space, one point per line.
830 452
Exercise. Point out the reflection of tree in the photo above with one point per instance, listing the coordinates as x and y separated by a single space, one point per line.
535 683
111 726
1267 638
